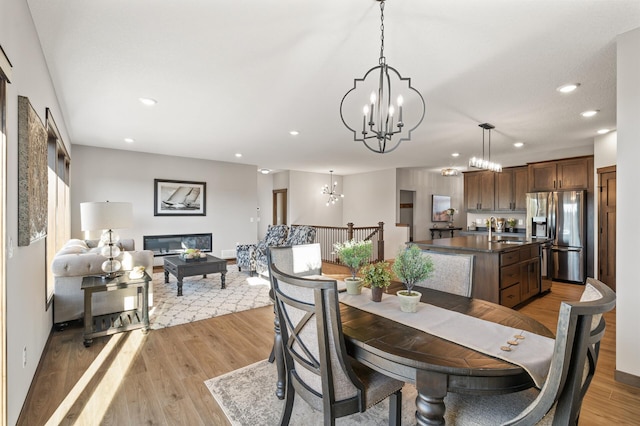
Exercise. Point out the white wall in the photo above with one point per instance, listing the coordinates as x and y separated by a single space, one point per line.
604 155
308 204
231 193
628 203
426 183
371 198
265 204
28 322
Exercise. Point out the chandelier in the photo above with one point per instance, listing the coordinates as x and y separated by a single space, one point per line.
450 172
378 114
330 190
481 163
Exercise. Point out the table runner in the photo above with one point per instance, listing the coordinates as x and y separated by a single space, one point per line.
526 349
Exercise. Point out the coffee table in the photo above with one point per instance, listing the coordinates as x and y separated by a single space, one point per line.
180 269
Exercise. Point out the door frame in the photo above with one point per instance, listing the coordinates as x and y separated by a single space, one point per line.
600 171
276 192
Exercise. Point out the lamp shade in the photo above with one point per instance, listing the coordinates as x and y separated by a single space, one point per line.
105 215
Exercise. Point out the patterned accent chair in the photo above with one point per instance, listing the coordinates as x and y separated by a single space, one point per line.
298 234
247 255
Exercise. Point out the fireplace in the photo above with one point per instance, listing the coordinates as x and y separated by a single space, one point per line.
167 245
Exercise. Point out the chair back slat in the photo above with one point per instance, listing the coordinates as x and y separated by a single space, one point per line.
580 329
315 353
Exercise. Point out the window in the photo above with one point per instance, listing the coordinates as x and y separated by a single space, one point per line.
58 225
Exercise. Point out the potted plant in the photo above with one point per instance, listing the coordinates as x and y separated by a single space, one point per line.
511 222
377 276
353 254
451 211
411 266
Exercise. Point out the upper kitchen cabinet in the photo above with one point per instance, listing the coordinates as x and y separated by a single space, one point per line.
571 174
511 189
479 190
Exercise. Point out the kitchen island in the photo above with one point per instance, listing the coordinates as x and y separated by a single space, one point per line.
506 269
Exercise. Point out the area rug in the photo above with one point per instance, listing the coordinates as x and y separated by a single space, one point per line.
202 298
247 397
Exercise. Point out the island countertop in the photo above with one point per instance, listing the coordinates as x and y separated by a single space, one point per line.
479 243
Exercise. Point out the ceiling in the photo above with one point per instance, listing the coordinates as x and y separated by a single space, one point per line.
235 76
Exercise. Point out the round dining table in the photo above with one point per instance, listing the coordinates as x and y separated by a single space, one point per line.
435 365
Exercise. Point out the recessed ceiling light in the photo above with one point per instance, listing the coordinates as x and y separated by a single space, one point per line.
294 133
518 144
589 113
129 140
603 131
148 101
455 154
568 88
238 155
264 171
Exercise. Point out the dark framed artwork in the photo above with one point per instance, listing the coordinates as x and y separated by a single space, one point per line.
179 198
33 194
440 205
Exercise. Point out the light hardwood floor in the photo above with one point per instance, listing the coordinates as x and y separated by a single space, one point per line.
157 379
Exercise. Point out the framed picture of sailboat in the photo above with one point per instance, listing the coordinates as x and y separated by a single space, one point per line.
179 198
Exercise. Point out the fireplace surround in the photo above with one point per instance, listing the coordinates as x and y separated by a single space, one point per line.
169 245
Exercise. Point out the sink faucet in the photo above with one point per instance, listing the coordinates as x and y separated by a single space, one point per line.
491 220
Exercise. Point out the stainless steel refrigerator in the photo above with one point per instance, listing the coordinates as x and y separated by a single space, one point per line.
561 218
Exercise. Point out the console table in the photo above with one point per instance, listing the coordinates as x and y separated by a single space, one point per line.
441 230
104 325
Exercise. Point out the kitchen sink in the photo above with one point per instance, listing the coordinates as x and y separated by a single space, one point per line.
516 242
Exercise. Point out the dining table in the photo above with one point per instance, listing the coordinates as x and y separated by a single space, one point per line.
434 364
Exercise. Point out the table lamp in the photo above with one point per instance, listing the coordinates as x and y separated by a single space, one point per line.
107 216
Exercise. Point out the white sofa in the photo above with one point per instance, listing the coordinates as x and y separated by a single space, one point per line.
79 258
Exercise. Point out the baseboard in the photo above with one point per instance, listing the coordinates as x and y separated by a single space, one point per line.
626 378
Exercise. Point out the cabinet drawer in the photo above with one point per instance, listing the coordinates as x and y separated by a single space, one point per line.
510 297
509 276
530 252
509 257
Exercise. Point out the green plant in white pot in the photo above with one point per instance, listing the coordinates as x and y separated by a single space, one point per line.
353 254
411 266
377 276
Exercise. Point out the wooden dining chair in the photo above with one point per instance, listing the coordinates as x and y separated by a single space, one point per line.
452 273
299 260
580 329
318 367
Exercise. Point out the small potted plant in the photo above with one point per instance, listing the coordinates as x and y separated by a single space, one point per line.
377 276
511 222
411 266
353 254
450 212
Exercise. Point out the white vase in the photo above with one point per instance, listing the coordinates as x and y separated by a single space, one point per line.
408 303
354 285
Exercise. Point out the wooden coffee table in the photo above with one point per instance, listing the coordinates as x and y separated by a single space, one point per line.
180 269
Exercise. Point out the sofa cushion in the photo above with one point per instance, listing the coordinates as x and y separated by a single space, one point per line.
276 235
73 246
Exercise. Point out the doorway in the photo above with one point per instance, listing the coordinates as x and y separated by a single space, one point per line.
406 210
607 226
280 206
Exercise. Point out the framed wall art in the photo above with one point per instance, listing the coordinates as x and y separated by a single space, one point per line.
440 203
179 198
33 194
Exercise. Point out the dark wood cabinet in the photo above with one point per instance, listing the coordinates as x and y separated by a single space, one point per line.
511 187
479 190
568 174
519 275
